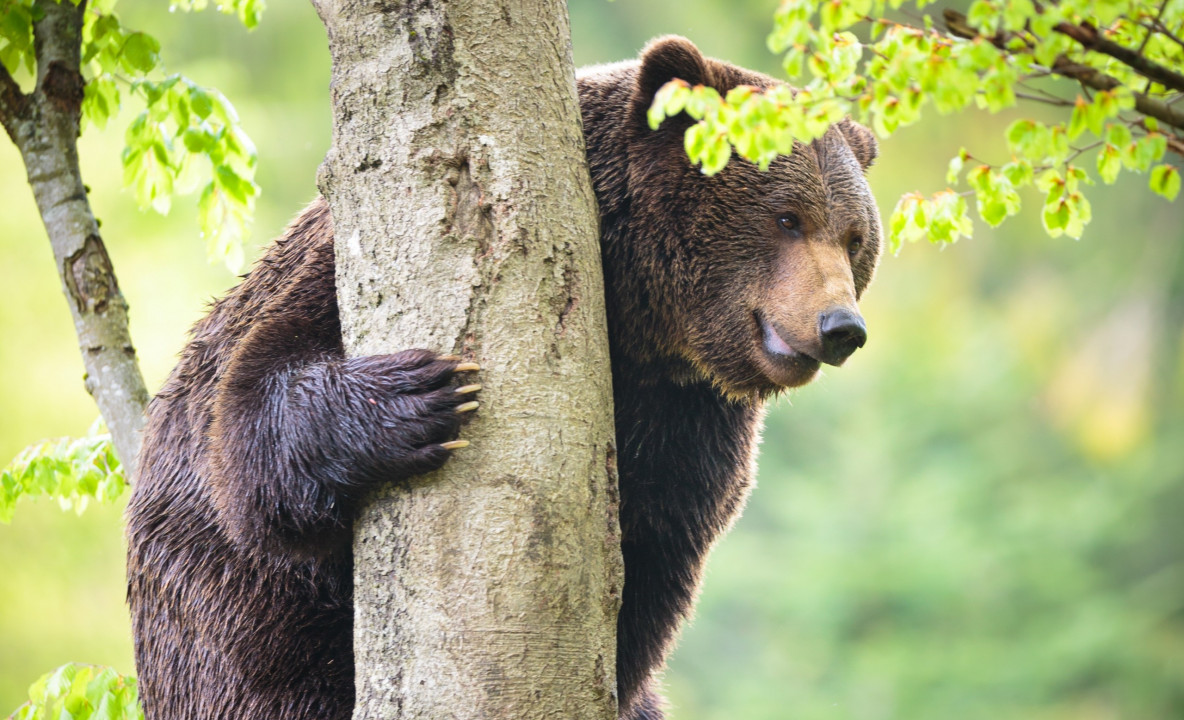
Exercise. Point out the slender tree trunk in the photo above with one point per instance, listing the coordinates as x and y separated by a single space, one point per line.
44 126
466 223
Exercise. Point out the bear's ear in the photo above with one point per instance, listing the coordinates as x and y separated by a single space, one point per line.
667 58
861 141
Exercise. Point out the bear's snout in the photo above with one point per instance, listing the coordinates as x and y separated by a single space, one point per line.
842 332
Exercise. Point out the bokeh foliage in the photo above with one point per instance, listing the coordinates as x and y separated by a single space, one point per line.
977 516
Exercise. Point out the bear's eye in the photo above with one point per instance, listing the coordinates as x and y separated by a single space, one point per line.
790 224
854 246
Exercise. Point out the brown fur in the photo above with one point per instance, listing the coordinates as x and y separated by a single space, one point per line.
264 438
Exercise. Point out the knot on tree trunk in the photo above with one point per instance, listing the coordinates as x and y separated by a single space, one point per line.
63 86
90 278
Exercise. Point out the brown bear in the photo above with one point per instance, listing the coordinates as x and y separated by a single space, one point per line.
721 291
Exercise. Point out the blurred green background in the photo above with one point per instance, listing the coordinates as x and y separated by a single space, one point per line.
980 516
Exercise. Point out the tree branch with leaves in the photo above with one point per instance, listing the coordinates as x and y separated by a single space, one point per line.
80 64
1114 69
64 65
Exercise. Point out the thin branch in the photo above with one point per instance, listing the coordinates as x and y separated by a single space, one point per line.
1158 18
1167 32
1175 144
1058 102
1157 28
1088 77
1145 105
958 26
1050 95
1079 151
1089 39
48 142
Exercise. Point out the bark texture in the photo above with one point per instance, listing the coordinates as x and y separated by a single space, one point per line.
466 223
44 126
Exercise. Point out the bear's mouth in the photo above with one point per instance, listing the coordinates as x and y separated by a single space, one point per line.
789 366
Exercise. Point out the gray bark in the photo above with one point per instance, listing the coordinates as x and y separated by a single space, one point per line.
466 223
44 126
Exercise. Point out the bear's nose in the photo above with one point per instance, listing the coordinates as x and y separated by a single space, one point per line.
842 333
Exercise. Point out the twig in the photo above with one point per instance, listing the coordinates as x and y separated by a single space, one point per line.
1059 102
1042 91
1158 17
1089 39
1171 35
1088 77
1157 28
1175 144
1078 151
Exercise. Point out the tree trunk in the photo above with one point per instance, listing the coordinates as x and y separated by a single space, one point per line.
466 223
44 127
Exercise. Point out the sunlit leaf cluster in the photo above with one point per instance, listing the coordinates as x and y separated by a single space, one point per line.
1112 69
247 11
185 139
81 692
185 134
72 471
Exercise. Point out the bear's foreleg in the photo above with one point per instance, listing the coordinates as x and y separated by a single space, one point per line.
302 443
300 432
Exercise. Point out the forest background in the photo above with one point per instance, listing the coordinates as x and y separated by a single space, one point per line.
978 517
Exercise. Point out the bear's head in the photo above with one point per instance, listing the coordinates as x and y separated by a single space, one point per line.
749 278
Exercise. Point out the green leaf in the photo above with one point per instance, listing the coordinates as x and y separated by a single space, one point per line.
1079 215
670 99
955 167
1023 135
1019 173
1056 217
983 16
1048 181
250 12
1149 149
1109 163
1165 181
695 140
238 188
141 53
202 102
100 100
1118 135
716 155
198 139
